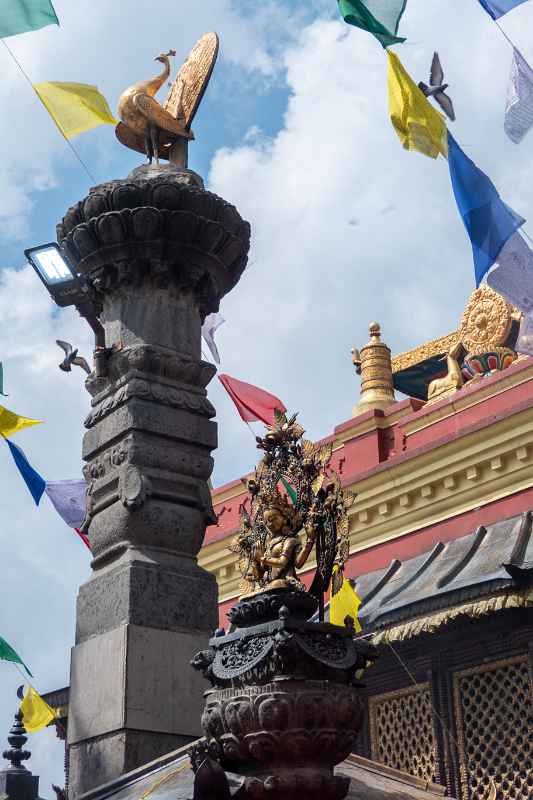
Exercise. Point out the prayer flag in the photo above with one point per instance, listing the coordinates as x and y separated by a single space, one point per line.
74 107
19 16
345 603
32 479
512 277
8 654
84 538
251 402
2 380
379 17
36 714
11 423
519 109
489 222
290 491
68 499
209 328
497 8
524 342
419 126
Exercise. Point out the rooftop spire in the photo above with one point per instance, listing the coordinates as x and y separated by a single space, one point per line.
373 364
17 739
17 782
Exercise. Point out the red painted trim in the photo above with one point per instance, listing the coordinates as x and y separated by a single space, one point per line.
422 540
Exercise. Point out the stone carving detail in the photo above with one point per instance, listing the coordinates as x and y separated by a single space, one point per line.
158 253
134 487
130 231
150 390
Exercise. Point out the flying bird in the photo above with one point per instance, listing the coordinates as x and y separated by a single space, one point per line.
437 87
72 357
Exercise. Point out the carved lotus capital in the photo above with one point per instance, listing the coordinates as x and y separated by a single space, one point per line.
131 231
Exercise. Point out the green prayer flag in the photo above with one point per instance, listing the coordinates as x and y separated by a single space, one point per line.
379 17
290 491
19 16
8 654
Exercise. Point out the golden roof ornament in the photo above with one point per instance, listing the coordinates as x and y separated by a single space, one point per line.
373 363
486 321
163 131
483 333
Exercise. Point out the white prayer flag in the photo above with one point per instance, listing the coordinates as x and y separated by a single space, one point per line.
512 276
524 343
211 324
519 110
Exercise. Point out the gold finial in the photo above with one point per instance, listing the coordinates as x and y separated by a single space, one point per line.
373 364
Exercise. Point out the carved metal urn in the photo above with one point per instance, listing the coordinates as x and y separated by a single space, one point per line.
285 706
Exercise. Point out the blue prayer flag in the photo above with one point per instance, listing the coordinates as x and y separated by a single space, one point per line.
497 8
489 222
33 480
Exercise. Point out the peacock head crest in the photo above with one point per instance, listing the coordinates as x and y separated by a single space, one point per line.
163 57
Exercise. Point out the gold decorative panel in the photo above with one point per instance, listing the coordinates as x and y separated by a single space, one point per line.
494 715
401 731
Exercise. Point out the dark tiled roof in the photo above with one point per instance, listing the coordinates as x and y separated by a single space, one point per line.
490 559
171 778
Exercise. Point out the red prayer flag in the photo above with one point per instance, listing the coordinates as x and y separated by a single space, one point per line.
83 537
251 402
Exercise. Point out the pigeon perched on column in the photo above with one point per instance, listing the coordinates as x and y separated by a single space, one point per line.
437 87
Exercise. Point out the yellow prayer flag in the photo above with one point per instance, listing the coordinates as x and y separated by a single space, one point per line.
75 107
419 126
345 603
36 713
10 422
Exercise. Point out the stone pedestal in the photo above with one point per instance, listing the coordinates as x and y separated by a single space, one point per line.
158 252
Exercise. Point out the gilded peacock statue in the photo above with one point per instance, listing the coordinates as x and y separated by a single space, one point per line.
153 129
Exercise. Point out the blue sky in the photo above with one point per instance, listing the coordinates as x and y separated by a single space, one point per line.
347 228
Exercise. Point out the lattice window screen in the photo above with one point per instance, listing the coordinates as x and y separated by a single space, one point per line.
494 716
401 731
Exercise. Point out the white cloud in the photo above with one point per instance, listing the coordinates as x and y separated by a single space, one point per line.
317 279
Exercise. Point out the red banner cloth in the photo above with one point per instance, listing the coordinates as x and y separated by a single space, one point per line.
83 537
251 402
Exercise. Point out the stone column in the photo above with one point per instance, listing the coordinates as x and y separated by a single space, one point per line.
158 252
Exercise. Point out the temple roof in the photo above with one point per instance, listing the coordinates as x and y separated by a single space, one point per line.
171 778
488 570
495 561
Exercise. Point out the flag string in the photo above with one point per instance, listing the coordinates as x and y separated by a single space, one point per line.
510 41
69 143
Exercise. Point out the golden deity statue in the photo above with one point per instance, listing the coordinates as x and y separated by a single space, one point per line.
276 564
296 504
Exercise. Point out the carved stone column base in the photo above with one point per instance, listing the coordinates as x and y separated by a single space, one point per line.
133 697
104 758
148 587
